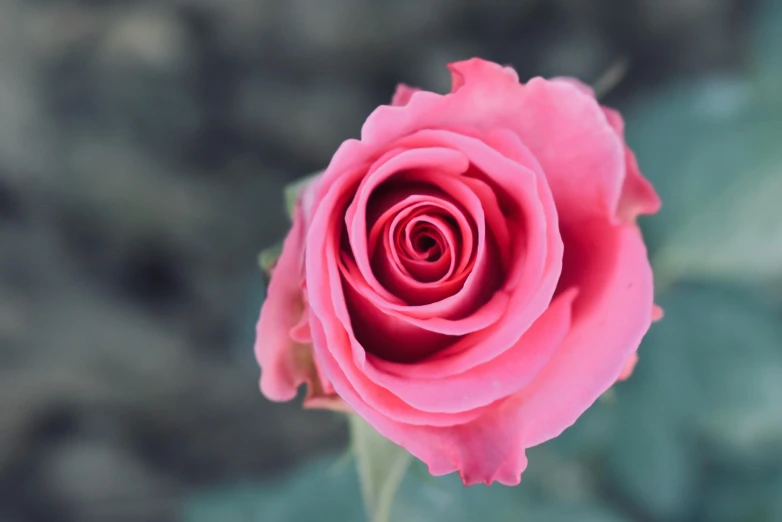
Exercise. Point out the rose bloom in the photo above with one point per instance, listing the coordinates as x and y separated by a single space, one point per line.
468 277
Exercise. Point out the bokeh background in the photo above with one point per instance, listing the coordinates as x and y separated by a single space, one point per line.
144 147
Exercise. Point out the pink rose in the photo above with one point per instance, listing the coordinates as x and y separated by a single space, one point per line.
468 277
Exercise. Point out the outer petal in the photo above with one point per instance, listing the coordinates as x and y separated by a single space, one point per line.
632 361
564 127
628 368
578 84
283 345
657 313
638 195
608 325
285 364
485 449
403 94
500 377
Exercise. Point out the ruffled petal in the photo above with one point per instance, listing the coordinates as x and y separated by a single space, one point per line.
403 94
628 368
282 331
564 127
485 448
638 195
500 377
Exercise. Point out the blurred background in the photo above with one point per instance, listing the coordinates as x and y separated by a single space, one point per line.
144 147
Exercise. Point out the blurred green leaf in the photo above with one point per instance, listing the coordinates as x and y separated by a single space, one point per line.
732 496
327 490
423 499
733 345
711 148
767 48
253 297
736 233
446 498
710 372
381 466
651 462
667 127
319 490
592 431
293 190
715 365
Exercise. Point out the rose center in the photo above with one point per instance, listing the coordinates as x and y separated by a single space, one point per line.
421 242
424 243
427 243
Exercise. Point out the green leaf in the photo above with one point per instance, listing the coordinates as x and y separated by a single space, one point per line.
711 148
710 372
326 490
268 258
768 48
381 466
322 490
733 495
592 432
293 190
736 233
423 498
729 343
651 461
713 368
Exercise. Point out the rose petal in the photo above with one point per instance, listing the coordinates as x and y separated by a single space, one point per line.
300 332
541 266
350 381
386 329
638 195
611 316
420 265
575 82
628 368
403 94
395 273
390 336
480 282
483 446
465 71
632 361
500 377
342 357
445 160
391 203
565 128
285 364
657 313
